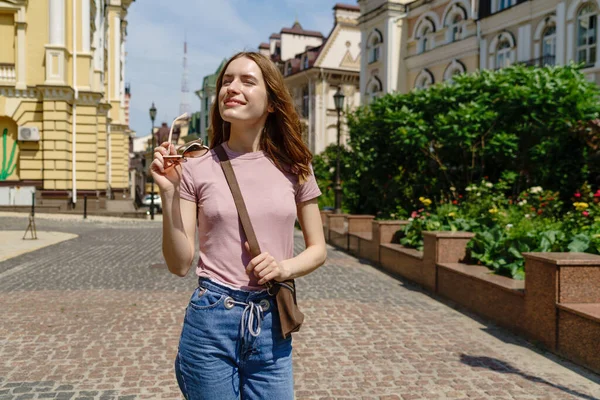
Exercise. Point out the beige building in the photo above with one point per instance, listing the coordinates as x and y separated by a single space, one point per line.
314 67
63 100
414 44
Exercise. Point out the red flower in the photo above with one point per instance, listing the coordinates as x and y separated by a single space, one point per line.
532 208
586 214
540 212
597 194
460 196
421 209
455 202
525 195
578 195
543 205
414 214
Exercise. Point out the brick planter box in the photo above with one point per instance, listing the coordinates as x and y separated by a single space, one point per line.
558 305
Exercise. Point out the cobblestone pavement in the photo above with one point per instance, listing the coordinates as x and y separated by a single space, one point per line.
98 317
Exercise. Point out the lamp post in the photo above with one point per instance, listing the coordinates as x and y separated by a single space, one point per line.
338 99
152 117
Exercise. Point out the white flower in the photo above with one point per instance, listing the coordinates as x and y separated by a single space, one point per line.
522 202
536 189
526 215
411 219
478 194
331 170
468 188
452 188
508 226
489 184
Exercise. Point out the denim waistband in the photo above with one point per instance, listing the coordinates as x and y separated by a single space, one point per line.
236 294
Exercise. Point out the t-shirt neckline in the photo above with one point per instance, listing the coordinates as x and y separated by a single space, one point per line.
242 156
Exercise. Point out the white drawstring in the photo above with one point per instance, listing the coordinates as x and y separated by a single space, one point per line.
251 312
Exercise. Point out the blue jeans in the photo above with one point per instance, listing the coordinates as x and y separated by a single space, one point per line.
231 347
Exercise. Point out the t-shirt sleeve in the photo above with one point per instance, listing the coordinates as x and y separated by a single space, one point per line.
309 189
187 189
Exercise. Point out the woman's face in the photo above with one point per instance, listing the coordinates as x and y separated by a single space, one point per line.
243 95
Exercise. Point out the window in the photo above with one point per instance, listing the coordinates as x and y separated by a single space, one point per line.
289 69
424 35
305 102
503 54
456 28
206 105
586 35
206 122
549 46
503 4
374 46
305 62
424 80
454 68
374 89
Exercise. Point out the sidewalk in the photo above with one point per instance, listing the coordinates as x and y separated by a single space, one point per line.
94 318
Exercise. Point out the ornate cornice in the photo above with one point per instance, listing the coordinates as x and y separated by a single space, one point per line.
64 93
89 98
29 93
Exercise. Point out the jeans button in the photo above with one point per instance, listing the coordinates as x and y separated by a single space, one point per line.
228 303
265 305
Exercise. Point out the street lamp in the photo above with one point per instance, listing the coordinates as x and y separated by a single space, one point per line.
338 99
152 117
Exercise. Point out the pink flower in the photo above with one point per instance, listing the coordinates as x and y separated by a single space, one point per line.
586 214
578 195
597 194
414 214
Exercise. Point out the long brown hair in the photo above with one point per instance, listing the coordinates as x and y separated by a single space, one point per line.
281 139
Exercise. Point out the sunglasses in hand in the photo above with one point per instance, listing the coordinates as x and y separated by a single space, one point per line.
193 149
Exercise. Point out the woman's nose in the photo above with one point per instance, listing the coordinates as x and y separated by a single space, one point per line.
233 87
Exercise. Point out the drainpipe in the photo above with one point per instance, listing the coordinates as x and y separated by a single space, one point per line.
75 97
324 121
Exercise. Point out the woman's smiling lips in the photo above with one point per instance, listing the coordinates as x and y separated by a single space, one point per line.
234 102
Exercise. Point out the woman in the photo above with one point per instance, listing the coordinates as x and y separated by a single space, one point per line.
229 349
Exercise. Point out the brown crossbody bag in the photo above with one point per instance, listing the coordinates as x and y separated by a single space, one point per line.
284 292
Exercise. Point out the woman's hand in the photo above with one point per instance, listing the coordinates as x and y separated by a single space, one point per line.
165 175
266 268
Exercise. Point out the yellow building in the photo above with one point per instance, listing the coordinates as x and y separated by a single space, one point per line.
62 100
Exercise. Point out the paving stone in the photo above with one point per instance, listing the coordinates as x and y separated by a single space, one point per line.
95 317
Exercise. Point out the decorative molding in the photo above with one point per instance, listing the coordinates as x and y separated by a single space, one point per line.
349 62
424 75
56 93
455 65
461 4
89 98
29 93
433 19
576 5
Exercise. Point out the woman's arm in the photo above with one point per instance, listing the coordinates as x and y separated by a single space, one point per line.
179 232
266 268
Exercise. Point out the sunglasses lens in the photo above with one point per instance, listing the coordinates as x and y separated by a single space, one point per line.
194 152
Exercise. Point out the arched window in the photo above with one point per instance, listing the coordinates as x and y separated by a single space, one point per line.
374 46
453 69
374 89
424 80
549 46
424 35
504 53
455 21
587 27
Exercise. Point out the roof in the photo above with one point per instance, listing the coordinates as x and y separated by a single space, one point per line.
297 29
264 46
275 36
348 7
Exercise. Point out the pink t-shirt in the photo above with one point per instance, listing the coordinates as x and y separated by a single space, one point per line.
270 196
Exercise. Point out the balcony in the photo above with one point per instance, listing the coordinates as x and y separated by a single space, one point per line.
7 74
548 60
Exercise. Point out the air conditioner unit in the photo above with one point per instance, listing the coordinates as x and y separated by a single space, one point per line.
29 134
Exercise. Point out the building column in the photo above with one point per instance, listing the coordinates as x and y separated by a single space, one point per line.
483 54
21 50
561 14
389 55
524 43
55 50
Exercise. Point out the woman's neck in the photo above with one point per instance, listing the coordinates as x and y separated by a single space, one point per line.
245 139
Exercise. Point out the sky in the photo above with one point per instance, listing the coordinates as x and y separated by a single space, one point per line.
215 29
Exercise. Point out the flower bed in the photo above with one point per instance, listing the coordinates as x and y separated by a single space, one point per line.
535 220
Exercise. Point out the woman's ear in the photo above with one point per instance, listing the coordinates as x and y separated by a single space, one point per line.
270 108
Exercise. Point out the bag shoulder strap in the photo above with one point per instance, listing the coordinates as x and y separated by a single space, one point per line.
239 200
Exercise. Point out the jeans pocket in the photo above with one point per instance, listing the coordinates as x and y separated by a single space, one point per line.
204 299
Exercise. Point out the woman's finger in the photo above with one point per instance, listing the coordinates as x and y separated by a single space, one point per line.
157 166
